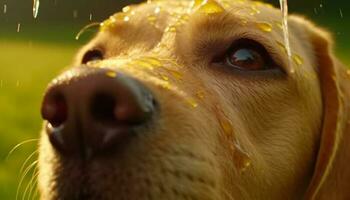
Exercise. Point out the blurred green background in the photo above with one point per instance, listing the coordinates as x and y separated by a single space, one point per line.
33 51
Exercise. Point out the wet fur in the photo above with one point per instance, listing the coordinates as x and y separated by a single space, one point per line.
277 118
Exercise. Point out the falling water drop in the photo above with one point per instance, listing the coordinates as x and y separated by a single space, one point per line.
18 27
341 13
5 8
284 10
36 5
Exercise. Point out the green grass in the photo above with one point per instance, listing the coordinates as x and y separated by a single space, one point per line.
26 68
28 62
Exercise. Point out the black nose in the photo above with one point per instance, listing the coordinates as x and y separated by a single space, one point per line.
91 110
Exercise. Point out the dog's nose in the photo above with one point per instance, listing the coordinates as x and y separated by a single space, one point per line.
92 110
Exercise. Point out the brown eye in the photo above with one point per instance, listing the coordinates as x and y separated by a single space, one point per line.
248 55
246 59
92 55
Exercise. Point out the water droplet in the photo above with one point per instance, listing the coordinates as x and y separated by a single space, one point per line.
157 10
165 78
36 5
266 27
5 8
152 18
154 61
241 159
75 14
254 10
284 10
90 17
282 46
200 94
126 9
192 103
341 13
18 27
171 28
209 6
297 60
111 74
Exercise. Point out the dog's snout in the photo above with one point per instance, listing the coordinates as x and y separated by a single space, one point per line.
92 110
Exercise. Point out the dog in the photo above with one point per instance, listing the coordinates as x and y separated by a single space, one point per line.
199 100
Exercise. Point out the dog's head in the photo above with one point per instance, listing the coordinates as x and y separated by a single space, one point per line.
198 100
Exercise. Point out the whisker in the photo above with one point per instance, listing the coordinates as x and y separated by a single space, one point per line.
23 177
31 184
27 160
19 145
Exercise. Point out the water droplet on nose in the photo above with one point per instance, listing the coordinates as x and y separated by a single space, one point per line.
111 74
266 27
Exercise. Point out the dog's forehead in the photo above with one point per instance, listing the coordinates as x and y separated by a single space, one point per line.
176 13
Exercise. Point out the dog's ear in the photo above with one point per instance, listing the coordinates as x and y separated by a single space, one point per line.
331 178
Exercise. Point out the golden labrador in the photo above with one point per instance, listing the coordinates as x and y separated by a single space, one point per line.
199 100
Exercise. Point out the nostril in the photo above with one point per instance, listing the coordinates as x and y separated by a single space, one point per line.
102 108
54 110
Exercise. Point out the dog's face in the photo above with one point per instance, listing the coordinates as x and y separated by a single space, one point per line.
185 100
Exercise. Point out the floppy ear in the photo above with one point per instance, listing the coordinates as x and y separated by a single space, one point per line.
331 176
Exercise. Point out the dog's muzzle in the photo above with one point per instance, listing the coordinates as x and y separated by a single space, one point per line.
90 110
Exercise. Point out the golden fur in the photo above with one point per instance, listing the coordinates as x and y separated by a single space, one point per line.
220 134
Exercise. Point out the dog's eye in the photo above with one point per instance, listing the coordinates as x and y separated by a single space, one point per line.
92 55
248 55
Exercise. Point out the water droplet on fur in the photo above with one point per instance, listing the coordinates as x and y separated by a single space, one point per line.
154 61
254 10
226 126
192 103
126 9
36 5
266 27
209 6
282 46
200 94
241 159
171 28
297 60
152 18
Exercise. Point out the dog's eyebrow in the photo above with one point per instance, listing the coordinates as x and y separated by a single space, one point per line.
222 29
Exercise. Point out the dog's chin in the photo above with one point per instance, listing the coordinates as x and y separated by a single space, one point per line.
97 183
132 173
